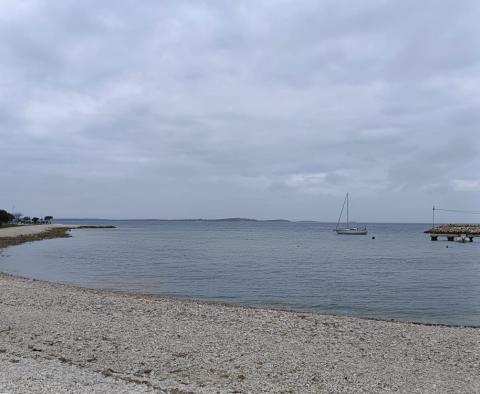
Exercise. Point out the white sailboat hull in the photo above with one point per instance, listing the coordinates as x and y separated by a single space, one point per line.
351 231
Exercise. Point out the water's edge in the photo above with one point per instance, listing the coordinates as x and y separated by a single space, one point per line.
223 299
202 301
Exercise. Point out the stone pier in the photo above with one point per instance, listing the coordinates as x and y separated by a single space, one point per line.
452 232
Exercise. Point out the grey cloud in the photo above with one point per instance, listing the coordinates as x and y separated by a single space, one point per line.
252 108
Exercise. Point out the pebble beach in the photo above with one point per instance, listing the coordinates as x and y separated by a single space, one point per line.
56 338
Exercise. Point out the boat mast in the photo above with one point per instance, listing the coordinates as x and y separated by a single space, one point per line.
341 212
347 212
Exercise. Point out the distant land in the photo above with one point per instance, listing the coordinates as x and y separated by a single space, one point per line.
180 220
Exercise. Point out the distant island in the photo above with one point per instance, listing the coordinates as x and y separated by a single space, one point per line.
240 220
184 220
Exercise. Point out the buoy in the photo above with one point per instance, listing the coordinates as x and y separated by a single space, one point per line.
446 246
373 237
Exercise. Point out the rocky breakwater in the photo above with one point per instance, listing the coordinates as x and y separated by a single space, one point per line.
455 229
455 232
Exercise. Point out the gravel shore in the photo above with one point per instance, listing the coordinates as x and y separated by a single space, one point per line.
58 338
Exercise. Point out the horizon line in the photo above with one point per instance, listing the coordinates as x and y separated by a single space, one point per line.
238 219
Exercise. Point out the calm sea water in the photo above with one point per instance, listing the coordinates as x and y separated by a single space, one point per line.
400 274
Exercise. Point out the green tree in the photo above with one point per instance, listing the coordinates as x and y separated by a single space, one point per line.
5 217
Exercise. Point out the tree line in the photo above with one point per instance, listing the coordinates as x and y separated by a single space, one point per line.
7 217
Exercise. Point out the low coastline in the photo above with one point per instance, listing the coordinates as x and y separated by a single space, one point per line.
17 235
162 344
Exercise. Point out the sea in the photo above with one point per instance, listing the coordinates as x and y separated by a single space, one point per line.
394 272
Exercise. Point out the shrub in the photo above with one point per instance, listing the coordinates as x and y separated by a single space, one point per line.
5 217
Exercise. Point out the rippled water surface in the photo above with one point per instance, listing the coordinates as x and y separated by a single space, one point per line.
400 274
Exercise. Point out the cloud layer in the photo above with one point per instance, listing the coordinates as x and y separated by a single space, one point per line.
265 109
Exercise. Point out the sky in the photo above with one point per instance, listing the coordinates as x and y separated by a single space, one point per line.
262 109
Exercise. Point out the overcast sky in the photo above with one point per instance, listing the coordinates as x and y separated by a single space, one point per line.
264 109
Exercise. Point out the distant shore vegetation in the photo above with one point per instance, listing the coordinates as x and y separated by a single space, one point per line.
11 219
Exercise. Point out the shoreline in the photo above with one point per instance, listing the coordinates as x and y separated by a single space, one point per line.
136 342
63 231
211 302
11 236
193 346
58 230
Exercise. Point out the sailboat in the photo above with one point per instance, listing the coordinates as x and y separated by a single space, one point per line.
347 230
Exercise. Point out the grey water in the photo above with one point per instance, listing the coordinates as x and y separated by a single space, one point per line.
400 274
